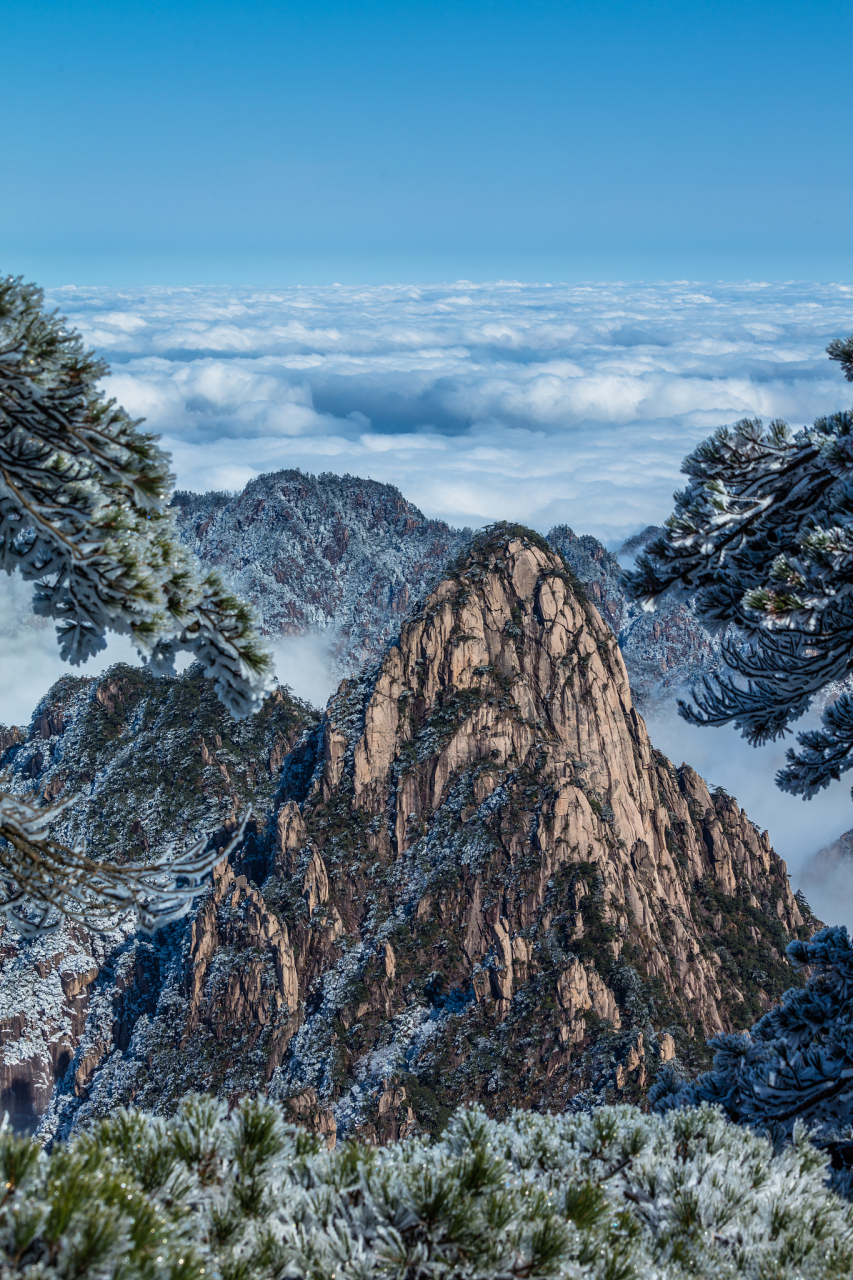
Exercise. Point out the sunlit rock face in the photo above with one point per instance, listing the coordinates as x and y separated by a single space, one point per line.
665 651
472 877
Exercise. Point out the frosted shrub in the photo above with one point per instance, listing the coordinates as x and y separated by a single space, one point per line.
795 1065
612 1195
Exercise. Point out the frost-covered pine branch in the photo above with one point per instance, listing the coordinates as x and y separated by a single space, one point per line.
841 349
614 1195
43 882
762 538
84 513
796 1064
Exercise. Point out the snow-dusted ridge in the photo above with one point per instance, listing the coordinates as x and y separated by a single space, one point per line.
350 557
475 878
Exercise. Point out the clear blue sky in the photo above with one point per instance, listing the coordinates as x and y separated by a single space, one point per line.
317 142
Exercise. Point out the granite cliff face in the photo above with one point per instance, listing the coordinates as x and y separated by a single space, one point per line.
665 652
474 878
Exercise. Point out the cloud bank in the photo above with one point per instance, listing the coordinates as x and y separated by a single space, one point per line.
533 402
30 653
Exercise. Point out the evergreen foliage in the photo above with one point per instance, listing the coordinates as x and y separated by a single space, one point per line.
841 349
762 537
84 514
44 881
795 1065
612 1195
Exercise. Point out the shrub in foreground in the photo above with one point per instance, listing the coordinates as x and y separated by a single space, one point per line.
612 1195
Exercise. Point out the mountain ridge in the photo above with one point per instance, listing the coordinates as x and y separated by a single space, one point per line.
471 877
331 552
349 557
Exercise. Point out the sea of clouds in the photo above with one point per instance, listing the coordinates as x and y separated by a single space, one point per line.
536 403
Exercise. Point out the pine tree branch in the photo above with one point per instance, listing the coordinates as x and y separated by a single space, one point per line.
83 511
761 540
43 882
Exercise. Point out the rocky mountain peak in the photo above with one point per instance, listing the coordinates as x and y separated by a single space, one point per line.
474 877
483 678
492 854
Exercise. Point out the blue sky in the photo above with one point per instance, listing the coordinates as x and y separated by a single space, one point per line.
246 144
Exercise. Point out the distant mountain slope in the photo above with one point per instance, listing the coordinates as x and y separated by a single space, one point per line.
827 875
322 551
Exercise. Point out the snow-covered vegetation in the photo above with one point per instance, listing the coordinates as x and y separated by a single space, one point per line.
762 538
796 1064
611 1195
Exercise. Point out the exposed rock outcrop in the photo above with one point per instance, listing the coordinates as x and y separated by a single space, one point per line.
10 737
482 881
45 1000
580 990
235 918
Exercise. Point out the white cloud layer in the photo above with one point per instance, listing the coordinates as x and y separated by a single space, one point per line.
30 653
537 403
528 402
